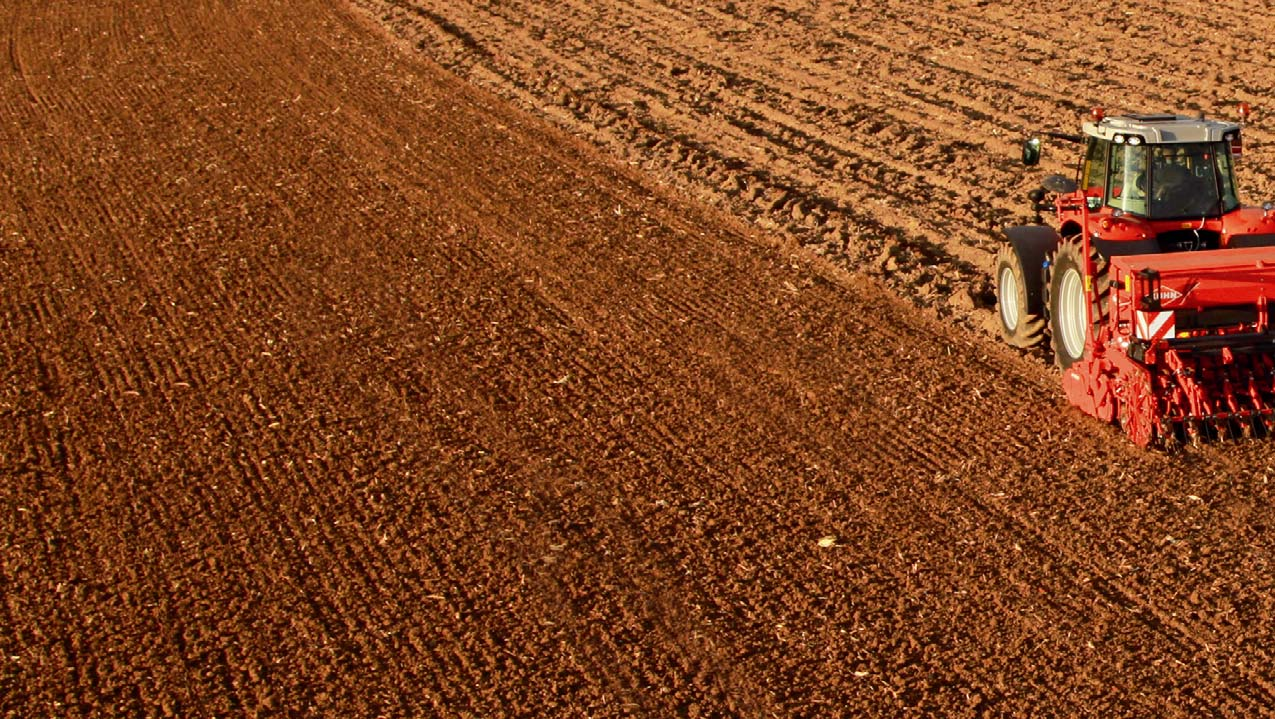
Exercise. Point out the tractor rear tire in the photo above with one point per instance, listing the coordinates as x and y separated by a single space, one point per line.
1020 326
1071 303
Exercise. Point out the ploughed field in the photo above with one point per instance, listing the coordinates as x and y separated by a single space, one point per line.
425 358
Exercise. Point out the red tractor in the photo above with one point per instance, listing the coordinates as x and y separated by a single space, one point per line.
1153 289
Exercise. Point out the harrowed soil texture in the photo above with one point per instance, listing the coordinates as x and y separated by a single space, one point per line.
407 358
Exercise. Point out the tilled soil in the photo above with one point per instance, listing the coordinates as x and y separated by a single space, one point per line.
884 135
335 385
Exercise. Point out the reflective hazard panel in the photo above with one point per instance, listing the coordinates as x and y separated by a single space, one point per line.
1153 325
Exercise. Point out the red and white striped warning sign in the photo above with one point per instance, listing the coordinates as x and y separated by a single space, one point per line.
1154 325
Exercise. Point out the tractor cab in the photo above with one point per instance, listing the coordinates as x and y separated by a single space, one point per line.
1151 183
1161 182
1161 167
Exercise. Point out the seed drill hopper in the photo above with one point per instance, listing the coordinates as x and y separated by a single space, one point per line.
1154 290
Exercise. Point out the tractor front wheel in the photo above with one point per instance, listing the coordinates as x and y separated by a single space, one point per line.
1020 326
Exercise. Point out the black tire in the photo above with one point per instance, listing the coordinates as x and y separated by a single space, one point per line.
1021 324
1071 305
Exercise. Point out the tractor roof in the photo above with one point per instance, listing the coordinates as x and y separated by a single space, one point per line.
1161 129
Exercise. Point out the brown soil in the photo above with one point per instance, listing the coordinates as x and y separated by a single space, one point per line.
877 134
334 385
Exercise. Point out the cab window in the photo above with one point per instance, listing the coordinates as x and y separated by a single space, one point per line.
1093 176
1226 175
1191 180
1128 180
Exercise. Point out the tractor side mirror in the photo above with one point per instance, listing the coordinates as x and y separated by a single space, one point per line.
1031 152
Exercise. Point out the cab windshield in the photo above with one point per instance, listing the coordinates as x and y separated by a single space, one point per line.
1171 181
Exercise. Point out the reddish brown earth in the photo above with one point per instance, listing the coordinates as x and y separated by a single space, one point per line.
878 134
335 385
